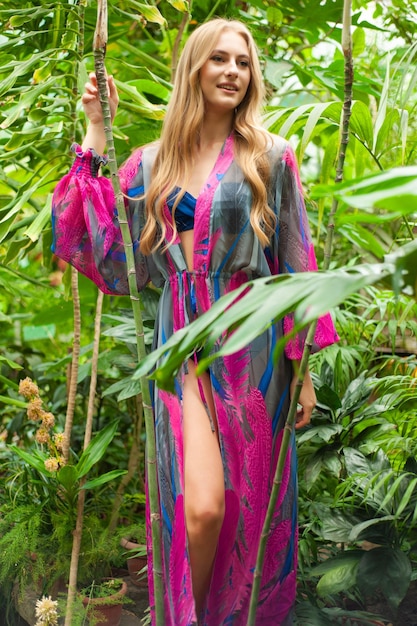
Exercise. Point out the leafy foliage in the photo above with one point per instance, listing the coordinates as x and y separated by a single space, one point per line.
358 459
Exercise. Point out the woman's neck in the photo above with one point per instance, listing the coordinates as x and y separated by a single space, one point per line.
214 132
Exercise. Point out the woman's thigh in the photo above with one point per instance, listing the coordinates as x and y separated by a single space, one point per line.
203 468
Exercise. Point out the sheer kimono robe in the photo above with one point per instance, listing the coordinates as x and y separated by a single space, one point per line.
251 394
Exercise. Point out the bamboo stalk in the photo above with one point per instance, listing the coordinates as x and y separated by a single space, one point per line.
73 367
100 41
289 426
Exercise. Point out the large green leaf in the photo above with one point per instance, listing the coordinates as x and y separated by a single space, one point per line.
323 432
357 531
338 574
336 525
393 190
135 101
308 294
387 569
328 398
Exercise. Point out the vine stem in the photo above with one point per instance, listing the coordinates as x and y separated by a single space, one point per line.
289 426
99 50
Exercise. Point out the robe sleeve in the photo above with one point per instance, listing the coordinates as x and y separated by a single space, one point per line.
295 251
85 226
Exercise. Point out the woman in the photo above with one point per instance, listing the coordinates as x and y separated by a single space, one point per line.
223 204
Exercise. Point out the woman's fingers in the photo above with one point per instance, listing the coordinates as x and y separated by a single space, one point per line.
91 98
303 417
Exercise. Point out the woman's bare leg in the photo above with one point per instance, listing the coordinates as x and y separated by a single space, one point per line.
203 483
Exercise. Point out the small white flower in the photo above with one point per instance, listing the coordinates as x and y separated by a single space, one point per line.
46 612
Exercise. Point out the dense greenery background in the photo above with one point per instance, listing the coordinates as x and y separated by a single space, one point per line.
358 473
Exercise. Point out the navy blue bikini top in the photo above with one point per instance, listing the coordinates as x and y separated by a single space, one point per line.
184 212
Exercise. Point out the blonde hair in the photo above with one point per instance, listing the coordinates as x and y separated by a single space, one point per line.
182 124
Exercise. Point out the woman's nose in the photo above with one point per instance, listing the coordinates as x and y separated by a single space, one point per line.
232 69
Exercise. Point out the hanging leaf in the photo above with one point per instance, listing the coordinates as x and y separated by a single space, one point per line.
41 220
149 12
357 531
136 101
15 70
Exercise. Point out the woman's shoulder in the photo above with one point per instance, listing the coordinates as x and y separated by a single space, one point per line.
137 159
277 146
149 149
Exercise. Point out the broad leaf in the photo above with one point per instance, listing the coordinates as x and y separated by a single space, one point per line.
67 476
387 569
357 530
339 573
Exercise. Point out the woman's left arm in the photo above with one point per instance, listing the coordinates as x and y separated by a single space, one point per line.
295 252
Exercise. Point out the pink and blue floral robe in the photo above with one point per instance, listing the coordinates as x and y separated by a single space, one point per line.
251 394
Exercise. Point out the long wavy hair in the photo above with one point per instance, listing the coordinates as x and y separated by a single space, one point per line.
182 125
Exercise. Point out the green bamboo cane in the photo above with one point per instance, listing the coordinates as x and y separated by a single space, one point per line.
99 49
289 426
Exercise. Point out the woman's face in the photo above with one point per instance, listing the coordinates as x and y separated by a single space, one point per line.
225 76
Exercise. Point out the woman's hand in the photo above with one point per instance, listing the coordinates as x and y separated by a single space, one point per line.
307 400
91 99
95 137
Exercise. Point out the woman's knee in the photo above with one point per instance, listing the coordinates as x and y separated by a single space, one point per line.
205 516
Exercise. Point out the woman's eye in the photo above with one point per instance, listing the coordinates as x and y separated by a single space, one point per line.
217 58
244 63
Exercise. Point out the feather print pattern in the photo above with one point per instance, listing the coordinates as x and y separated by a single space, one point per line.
251 393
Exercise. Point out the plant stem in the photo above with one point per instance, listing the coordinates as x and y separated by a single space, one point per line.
100 41
73 368
77 535
289 426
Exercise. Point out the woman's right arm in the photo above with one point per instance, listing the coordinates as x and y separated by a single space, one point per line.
85 226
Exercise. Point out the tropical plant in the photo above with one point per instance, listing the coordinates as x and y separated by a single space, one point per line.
40 505
373 516
41 65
